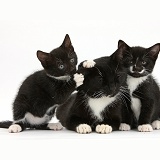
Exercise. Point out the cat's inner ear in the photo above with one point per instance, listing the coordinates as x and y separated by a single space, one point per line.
154 50
43 57
67 42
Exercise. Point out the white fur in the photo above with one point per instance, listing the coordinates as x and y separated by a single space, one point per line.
34 120
124 127
97 105
103 128
63 78
133 83
145 128
14 128
136 106
156 124
78 78
30 118
55 126
83 129
131 70
89 64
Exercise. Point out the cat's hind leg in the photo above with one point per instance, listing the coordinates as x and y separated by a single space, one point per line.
50 126
16 127
124 127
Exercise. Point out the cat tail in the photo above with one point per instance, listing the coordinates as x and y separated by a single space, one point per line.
5 124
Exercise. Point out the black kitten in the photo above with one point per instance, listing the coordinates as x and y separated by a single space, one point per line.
101 101
44 90
144 90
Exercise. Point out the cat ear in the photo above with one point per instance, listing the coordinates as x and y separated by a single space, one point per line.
121 43
67 42
120 52
43 57
154 51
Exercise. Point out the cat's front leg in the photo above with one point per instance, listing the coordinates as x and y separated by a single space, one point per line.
103 128
89 64
156 124
145 128
83 129
78 78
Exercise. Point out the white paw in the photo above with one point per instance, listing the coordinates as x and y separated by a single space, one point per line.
103 128
55 126
84 128
89 64
14 128
78 78
124 127
156 124
145 128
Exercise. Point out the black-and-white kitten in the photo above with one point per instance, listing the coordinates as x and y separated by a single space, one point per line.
144 90
44 90
101 101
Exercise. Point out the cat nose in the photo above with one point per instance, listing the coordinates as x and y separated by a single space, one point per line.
137 68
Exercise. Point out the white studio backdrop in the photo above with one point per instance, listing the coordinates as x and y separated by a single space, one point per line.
93 26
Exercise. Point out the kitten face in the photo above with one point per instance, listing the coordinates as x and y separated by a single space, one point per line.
138 60
100 81
60 61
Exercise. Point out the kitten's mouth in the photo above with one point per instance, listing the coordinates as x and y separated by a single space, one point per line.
136 74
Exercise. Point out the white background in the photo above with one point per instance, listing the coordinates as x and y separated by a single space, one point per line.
94 28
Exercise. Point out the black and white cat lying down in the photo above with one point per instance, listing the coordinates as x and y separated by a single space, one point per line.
101 101
40 93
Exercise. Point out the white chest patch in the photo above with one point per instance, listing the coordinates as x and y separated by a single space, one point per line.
133 83
97 105
136 107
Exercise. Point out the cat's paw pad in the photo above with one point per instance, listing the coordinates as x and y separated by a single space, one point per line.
14 128
84 128
156 124
55 126
78 78
124 127
145 128
89 64
103 128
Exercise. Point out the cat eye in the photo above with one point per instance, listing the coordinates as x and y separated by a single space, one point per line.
130 61
72 60
61 66
144 62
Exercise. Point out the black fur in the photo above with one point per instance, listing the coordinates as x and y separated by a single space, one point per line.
40 92
140 63
106 79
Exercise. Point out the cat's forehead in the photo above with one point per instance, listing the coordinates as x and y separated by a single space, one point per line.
138 51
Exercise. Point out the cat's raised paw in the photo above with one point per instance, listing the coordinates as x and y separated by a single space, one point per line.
145 128
103 128
84 128
14 128
78 78
124 127
156 124
55 126
89 64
